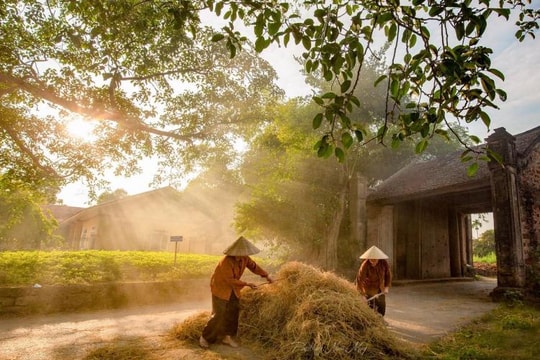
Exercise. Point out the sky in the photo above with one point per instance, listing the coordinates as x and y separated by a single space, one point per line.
518 61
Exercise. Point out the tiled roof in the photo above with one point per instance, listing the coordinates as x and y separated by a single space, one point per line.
442 174
62 212
167 192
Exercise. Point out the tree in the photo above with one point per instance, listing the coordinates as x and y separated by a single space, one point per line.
144 73
439 78
23 224
292 203
302 203
485 244
110 196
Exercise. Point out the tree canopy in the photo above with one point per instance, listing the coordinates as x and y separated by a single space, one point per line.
439 70
149 78
145 74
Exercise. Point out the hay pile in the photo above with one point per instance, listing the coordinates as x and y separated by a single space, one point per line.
309 314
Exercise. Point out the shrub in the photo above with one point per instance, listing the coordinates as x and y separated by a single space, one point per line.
95 266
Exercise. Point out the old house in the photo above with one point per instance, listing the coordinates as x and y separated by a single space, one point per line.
420 216
147 221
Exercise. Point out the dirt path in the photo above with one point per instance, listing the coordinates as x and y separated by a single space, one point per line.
418 313
421 313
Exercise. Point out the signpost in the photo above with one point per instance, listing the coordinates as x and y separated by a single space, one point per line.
176 239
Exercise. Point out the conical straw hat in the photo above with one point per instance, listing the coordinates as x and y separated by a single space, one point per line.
373 253
241 247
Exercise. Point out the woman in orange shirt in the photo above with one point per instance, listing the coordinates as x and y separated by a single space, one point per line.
225 286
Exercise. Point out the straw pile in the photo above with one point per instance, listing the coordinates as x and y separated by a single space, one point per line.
309 314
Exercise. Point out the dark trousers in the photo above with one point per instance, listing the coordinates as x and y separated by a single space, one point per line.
224 320
378 304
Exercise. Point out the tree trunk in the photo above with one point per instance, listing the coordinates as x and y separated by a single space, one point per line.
330 253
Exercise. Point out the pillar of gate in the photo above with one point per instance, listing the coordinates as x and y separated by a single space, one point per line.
504 190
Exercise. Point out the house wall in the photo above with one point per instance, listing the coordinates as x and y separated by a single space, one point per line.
148 225
380 230
407 241
415 235
529 183
434 240
88 234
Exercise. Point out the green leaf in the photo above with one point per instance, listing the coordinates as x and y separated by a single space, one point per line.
436 10
392 32
412 40
472 169
502 12
421 146
475 139
381 78
497 73
495 156
317 120
340 154
485 118
218 37
273 28
259 26
345 86
306 42
318 100
394 88
359 135
329 95
346 139
396 142
460 30
260 44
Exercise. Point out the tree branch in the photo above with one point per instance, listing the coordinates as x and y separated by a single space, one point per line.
97 113
35 160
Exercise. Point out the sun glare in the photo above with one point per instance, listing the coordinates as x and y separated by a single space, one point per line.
81 129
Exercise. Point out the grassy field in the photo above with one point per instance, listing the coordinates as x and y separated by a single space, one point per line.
21 268
488 259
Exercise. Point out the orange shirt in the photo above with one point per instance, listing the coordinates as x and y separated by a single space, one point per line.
372 280
226 276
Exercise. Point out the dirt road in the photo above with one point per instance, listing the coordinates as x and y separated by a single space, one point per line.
418 313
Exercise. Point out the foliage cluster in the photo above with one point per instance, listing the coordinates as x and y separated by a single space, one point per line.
508 332
23 225
485 244
428 80
19 268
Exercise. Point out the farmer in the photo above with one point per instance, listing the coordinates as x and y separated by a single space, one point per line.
225 286
374 278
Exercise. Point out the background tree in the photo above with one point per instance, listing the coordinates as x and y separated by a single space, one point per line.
485 244
23 224
302 203
110 196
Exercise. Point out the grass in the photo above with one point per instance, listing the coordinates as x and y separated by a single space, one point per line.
488 259
508 332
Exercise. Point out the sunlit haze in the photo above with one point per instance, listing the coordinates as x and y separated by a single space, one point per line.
80 128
